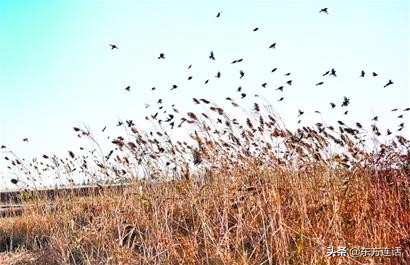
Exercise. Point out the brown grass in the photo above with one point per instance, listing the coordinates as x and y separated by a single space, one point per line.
251 193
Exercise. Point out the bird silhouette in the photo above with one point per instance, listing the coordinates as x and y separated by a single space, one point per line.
255 29
218 75
237 61
189 67
281 99
375 118
274 69
389 83
174 87
14 181
219 14
375 74
324 10
25 140
206 82
128 88
3 147
280 88
333 105
272 46
394 109
264 85
239 89
130 123
362 74
153 88
287 74
319 84
241 74
243 95
113 46
406 109
333 72
289 82
161 56
190 77
325 74
300 113
212 56
346 102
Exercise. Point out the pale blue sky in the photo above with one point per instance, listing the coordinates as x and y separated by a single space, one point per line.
57 70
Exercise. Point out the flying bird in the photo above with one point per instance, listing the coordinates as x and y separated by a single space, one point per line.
406 109
237 61
14 181
394 109
333 72
280 88
325 74
206 82
25 140
255 29
128 88
174 87
219 14
274 69
272 46
190 77
218 75
241 74
324 10
264 85
389 83
161 56
362 74
113 46
239 89
281 99
333 105
153 88
212 56
300 113
189 67
346 102
243 95
289 82
319 84
375 74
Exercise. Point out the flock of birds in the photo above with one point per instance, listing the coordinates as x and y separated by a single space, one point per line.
331 72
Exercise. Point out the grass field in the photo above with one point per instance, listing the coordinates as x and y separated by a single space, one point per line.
238 193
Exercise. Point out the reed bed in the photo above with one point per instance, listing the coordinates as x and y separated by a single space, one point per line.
238 191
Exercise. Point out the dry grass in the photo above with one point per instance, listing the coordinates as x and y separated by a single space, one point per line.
251 193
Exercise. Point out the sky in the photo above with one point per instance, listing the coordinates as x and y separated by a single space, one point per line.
57 69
